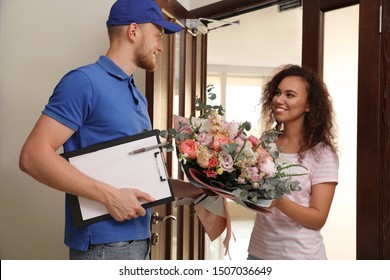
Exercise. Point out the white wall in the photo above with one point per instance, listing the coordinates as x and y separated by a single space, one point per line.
264 38
40 41
340 74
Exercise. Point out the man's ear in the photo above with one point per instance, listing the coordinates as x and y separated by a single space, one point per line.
133 31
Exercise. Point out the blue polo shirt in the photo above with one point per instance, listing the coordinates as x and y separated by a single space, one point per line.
100 102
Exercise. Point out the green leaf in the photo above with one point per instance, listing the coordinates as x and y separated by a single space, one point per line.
163 134
172 131
230 148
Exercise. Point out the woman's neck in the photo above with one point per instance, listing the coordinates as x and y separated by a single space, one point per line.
290 140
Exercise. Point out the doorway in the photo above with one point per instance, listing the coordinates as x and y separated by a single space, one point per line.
270 44
373 144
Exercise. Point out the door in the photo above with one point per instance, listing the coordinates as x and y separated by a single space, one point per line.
171 89
373 203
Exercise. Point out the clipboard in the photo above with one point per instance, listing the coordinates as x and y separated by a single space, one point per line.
113 163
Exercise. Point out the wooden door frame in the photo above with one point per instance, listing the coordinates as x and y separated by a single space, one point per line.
385 130
189 231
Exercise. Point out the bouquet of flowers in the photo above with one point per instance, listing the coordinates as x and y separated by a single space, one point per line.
220 156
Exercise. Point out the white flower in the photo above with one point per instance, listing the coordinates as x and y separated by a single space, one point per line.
281 160
268 167
204 125
230 128
249 154
272 147
205 138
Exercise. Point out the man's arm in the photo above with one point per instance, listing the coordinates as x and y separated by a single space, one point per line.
39 159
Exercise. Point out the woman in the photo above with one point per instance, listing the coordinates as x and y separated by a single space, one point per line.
298 101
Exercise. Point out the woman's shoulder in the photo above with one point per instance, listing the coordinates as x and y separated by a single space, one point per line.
322 152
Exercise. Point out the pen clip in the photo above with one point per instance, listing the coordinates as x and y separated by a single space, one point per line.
167 145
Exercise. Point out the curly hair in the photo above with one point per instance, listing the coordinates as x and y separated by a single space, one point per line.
319 126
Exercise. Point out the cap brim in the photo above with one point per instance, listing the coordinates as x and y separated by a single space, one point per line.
169 27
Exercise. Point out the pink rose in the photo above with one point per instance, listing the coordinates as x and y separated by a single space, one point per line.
205 138
226 161
219 140
255 142
255 178
241 180
240 141
213 161
253 170
210 173
186 129
189 147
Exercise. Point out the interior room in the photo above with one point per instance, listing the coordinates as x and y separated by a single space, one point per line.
40 42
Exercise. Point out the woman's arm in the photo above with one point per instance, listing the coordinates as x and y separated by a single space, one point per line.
315 215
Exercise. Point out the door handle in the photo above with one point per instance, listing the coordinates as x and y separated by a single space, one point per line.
156 218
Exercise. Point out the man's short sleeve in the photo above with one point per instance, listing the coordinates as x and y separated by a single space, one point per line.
70 101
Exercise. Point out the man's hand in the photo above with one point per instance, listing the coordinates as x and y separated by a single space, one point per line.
125 204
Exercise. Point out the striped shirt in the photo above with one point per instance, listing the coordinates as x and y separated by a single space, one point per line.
277 237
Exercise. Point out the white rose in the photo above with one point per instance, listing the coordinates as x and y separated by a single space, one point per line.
268 167
204 125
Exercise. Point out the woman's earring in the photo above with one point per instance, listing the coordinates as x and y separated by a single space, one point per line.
278 126
274 122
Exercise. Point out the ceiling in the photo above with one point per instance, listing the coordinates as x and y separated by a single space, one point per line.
194 4
264 38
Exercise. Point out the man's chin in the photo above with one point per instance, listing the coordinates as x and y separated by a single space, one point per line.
149 67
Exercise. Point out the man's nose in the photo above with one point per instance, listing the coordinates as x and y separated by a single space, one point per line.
160 46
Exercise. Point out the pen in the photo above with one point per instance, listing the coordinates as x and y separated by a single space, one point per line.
144 149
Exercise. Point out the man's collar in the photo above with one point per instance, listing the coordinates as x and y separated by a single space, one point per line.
112 68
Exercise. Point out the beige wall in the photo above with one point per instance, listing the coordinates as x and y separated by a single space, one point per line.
39 42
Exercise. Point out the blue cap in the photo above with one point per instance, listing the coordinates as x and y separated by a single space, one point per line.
125 12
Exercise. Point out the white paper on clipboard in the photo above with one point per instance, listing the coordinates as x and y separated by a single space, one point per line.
111 163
